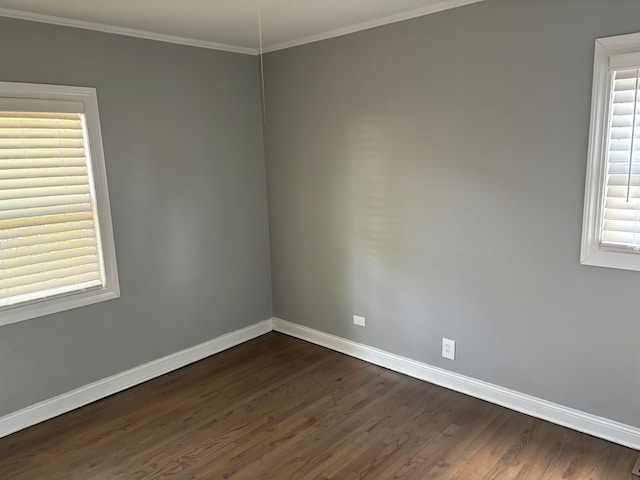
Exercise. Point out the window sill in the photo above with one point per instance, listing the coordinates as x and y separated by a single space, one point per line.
61 303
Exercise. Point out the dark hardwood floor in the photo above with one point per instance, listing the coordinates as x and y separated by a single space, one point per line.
281 408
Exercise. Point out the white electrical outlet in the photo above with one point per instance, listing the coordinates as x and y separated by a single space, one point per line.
358 320
449 349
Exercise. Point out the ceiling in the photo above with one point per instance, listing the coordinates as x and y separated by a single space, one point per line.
226 24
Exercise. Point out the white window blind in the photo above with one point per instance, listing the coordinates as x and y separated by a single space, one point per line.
611 217
621 212
49 238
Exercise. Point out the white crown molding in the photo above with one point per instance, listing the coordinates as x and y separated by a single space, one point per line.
129 32
87 394
520 402
399 17
132 32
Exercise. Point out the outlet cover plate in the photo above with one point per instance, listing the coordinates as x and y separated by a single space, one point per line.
449 348
358 320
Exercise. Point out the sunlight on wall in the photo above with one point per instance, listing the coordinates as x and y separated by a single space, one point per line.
368 206
372 215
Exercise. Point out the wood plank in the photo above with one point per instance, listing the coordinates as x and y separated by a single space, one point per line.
280 408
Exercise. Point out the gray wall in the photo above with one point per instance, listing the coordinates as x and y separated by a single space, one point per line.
183 144
429 175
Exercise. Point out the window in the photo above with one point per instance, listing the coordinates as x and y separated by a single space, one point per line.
56 240
611 224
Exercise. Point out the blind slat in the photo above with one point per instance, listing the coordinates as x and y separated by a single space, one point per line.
54 267
620 214
17 171
45 220
623 179
27 250
47 287
47 239
620 225
68 190
52 153
49 256
45 228
36 182
623 192
56 201
56 275
39 123
31 136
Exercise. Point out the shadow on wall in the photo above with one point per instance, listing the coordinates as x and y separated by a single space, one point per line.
375 230
405 226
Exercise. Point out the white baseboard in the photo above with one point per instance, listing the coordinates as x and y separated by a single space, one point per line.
537 407
103 388
520 402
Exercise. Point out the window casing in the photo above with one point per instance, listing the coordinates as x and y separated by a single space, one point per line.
611 223
56 239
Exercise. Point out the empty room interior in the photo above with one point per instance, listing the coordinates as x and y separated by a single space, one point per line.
320 240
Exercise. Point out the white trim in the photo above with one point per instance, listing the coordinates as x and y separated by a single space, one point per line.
520 402
591 252
595 167
87 98
552 412
399 17
435 7
103 388
624 60
129 32
621 43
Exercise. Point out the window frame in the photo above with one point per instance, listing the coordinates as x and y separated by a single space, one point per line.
111 288
591 252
